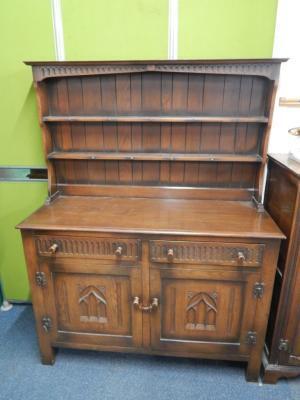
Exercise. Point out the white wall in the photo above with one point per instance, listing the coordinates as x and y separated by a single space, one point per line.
286 44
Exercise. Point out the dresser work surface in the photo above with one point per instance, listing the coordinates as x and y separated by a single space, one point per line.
169 216
154 238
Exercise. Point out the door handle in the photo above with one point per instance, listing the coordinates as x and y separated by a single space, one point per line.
151 307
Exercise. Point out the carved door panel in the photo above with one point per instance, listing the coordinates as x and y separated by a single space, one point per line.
91 302
203 311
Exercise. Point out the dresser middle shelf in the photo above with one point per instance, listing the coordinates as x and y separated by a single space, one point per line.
154 118
91 155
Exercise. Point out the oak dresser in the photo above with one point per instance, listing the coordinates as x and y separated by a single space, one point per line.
153 238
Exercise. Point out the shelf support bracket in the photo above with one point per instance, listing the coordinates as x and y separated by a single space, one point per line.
258 205
52 197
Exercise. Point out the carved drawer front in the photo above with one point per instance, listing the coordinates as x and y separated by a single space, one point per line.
237 254
103 248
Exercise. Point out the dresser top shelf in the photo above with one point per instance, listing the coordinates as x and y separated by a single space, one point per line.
153 216
155 62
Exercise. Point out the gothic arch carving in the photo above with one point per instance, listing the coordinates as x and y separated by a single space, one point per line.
93 305
201 311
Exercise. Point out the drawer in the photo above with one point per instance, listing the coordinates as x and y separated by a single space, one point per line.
215 253
102 248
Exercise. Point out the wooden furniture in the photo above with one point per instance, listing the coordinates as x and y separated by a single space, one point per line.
154 238
282 355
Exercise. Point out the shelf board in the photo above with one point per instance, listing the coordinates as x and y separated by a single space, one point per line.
89 155
137 118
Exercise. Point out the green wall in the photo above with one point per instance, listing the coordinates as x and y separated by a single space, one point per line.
26 33
226 28
17 200
99 29
138 29
115 29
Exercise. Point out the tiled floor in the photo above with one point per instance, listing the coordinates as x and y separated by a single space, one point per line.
106 376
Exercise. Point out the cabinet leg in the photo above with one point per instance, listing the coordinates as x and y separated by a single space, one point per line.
253 371
47 354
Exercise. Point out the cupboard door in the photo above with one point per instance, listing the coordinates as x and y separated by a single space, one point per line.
203 311
90 302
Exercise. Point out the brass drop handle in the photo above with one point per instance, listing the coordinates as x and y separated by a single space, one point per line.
136 302
152 307
241 256
53 248
119 250
170 254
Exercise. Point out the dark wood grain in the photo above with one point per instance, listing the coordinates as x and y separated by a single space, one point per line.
238 175
194 138
215 218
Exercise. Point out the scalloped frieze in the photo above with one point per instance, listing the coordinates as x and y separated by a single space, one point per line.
269 70
262 69
54 71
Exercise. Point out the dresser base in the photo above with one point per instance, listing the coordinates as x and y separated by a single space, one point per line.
130 288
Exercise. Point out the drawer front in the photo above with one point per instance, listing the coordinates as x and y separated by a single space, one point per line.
215 253
102 248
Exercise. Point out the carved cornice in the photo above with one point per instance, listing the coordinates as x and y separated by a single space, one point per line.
262 69
268 70
49 71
